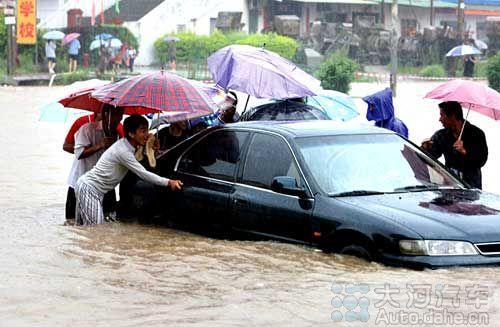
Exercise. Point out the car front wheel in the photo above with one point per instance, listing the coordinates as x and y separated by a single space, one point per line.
357 251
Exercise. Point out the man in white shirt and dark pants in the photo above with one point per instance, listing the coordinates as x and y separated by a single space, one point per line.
91 140
111 169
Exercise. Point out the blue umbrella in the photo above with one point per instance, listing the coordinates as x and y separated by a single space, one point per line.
336 105
463 50
56 113
96 44
103 36
54 35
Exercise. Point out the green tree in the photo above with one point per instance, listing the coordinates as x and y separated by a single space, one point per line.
493 72
337 73
3 36
282 45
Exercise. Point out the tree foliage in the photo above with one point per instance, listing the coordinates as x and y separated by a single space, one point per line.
493 71
337 72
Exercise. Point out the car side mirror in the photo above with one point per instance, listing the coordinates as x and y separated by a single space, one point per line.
287 185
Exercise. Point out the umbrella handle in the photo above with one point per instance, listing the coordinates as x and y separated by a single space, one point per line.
246 104
463 125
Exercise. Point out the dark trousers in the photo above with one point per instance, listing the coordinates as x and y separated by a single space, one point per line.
131 64
109 203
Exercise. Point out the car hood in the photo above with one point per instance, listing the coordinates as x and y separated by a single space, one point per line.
445 214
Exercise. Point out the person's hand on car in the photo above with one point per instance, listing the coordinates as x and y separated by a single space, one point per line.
427 144
175 185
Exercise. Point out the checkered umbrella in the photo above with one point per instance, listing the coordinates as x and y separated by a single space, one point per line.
156 92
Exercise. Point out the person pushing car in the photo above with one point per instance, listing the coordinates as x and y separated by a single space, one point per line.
111 169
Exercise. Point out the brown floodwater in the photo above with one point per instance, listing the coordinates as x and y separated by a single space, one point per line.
122 274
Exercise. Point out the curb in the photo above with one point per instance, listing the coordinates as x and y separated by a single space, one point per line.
415 77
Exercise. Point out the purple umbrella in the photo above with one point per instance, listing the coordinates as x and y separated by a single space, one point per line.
260 73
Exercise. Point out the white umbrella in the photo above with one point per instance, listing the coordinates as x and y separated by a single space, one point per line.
463 50
115 43
96 44
481 45
54 35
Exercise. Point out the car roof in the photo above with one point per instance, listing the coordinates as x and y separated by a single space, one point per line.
308 128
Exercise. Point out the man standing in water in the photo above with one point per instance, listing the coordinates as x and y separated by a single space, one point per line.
89 142
463 155
111 169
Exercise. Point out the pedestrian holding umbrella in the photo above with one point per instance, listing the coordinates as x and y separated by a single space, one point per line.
462 144
472 95
463 50
468 52
70 37
54 35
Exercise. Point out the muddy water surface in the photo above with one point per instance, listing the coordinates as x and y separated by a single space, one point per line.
129 274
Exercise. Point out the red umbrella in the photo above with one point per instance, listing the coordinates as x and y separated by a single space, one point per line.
82 100
154 92
70 37
150 93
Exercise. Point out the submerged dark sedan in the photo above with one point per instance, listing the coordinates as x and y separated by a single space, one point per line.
352 189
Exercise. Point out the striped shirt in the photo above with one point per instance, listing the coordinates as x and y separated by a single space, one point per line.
114 165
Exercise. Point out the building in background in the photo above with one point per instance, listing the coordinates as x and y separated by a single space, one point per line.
150 19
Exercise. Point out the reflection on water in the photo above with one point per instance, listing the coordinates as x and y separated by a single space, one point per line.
128 274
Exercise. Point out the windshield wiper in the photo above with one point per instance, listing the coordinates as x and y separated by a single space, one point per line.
355 193
418 188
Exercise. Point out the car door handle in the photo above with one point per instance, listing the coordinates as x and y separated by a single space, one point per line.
240 201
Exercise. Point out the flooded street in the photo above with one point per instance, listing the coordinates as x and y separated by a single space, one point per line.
128 274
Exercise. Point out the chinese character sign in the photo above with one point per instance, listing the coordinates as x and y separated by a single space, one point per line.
26 21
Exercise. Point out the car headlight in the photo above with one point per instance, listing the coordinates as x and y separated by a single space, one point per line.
436 247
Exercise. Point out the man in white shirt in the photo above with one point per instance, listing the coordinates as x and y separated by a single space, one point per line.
91 140
50 54
110 171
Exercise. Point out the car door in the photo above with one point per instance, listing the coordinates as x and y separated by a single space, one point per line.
259 209
208 171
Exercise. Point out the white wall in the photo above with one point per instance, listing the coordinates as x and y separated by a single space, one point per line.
165 18
54 13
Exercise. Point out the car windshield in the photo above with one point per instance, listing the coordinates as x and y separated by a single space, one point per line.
371 164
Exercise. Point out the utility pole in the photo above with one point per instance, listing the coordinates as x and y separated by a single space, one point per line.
432 13
394 46
10 20
382 13
10 49
460 21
